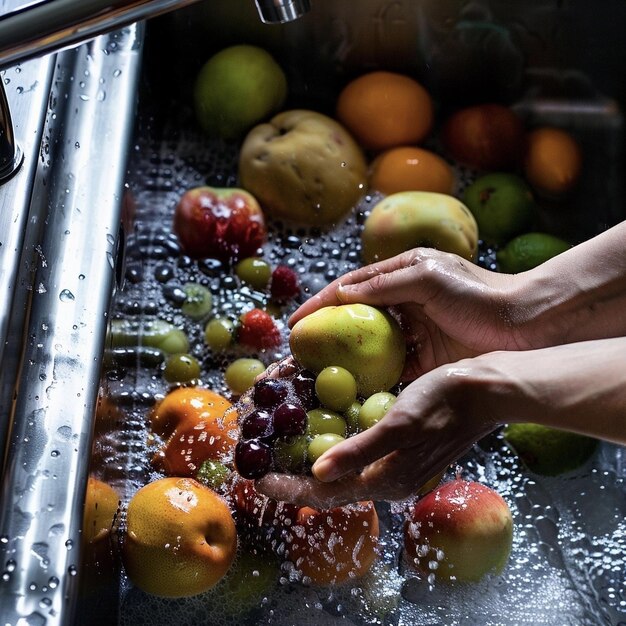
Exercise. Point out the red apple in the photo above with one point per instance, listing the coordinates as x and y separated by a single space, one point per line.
487 137
460 531
226 224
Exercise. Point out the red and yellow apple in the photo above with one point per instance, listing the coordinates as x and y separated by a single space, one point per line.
180 539
197 425
223 223
330 547
460 531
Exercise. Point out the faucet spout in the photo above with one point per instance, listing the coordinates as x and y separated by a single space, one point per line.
280 11
10 154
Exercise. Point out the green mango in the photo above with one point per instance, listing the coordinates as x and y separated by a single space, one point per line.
365 340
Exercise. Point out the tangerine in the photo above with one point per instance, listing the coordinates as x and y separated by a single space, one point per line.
197 425
385 109
553 160
410 169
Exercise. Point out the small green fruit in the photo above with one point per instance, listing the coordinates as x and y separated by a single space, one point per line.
502 204
237 88
365 340
528 251
375 408
548 451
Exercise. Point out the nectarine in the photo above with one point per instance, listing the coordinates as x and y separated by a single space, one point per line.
460 531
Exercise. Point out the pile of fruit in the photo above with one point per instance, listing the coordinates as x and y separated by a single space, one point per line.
310 169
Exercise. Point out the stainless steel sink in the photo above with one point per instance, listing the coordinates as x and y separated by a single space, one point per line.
110 144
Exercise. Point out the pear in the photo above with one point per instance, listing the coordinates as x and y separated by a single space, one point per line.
365 340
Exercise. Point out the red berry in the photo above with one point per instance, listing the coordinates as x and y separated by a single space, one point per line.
258 330
284 284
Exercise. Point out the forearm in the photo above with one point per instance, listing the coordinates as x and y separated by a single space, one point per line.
576 296
579 387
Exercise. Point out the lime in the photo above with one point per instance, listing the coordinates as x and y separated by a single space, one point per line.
502 204
548 451
529 250
236 88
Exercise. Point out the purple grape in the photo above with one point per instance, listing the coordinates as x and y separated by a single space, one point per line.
304 386
270 392
289 419
253 458
257 424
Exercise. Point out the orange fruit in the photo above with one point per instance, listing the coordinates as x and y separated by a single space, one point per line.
101 504
180 538
410 169
385 109
553 160
197 425
332 546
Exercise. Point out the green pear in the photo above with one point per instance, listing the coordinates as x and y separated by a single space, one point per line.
366 341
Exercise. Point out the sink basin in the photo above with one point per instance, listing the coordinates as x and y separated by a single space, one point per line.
73 407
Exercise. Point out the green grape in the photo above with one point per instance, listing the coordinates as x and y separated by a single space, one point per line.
320 444
181 368
254 271
240 374
322 421
375 408
175 342
351 415
219 333
199 301
290 453
336 388
212 474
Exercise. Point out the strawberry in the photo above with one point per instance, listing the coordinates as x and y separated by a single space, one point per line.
258 330
284 285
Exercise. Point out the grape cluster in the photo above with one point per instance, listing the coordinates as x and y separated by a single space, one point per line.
278 416
291 422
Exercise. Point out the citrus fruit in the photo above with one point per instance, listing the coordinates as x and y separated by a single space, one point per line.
502 204
410 169
180 540
236 88
529 250
548 451
552 161
385 109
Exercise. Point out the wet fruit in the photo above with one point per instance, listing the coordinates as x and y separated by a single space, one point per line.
502 204
330 547
180 540
410 169
285 284
385 109
528 251
486 137
181 368
241 374
197 425
548 451
303 167
212 222
236 88
321 444
374 409
460 531
336 388
552 161
258 330
407 220
364 340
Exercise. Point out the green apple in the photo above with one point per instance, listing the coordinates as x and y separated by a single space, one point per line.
502 204
237 88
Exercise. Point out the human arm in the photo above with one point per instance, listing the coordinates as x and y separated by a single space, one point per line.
579 387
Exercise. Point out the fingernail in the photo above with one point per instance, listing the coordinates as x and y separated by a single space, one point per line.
326 471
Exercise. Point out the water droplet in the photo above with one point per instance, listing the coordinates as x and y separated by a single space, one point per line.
66 296
41 288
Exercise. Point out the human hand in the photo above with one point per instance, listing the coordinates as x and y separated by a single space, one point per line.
448 307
